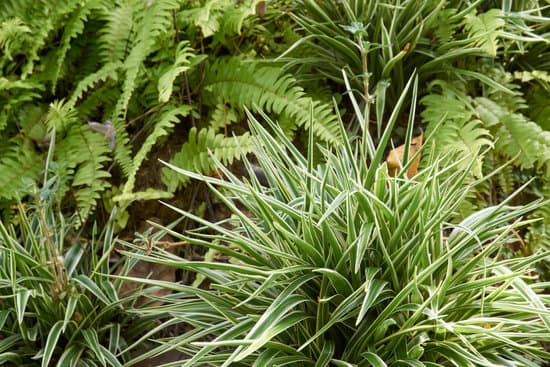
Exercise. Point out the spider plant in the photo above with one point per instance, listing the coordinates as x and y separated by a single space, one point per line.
56 307
339 264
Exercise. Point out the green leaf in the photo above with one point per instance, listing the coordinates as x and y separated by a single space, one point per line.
326 354
69 311
374 359
72 258
182 63
339 282
8 343
92 342
51 342
21 299
277 318
484 29
71 356
88 284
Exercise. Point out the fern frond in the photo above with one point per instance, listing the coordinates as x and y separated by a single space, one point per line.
444 31
107 71
115 36
19 162
14 94
151 23
61 116
206 17
512 101
266 88
45 23
7 85
149 194
446 101
72 29
234 17
222 116
14 35
459 134
518 137
484 29
539 232
195 154
504 182
84 152
526 76
100 99
539 108
162 128
123 153
182 63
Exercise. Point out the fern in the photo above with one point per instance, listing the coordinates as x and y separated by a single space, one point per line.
539 232
115 36
518 137
124 200
484 30
74 27
539 108
84 153
195 154
44 25
151 23
527 76
13 95
219 17
234 18
458 132
14 35
513 100
163 127
108 71
444 31
182 63
19 162
103 97
61 117
222 116
122 60
242 83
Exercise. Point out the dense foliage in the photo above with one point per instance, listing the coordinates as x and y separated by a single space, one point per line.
57 304
483 71
108 82
340 264
95 94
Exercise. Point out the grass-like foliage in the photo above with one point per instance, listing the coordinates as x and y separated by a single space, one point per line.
339 264
56 307
483 74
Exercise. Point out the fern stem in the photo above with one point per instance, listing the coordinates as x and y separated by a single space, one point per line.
146 113
176 29
189 95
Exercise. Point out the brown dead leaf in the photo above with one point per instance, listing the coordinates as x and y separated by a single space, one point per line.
261 7
395 158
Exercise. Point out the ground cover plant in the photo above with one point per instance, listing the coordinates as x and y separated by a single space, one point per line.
57 308
483 70
340 264
442 265
123 83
